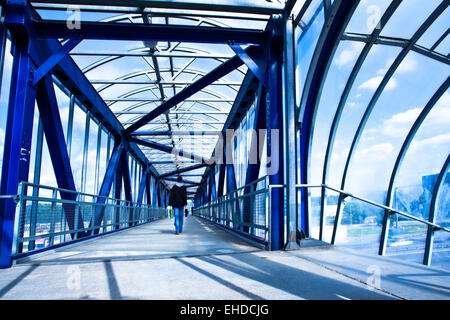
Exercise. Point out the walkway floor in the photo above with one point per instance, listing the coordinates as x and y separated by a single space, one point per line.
206 262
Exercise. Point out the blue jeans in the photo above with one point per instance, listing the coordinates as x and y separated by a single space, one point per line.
178 214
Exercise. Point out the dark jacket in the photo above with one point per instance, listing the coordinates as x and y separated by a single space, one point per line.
178 197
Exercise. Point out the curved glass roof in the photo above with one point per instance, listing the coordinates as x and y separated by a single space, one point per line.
135 77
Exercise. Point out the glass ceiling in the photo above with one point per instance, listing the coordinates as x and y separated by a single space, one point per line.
135 77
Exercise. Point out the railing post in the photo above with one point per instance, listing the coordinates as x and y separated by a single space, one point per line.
53 217
269 217
18 230
78 212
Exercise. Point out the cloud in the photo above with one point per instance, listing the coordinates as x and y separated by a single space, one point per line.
354 105
379 150
373 83
407 65
349 55
440 115
433 142
399 124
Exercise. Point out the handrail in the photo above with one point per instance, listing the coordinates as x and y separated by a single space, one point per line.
389 209
53 210
61 190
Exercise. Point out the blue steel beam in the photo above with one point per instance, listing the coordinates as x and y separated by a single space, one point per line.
147 32
219 72
187 181
172 162
180 171
127 184
54 134
164 148
142 186
111 173
47 66
117 183
178 133
258 70
17 145
274 121
240 6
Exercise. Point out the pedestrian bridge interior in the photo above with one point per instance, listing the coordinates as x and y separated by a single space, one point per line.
313 139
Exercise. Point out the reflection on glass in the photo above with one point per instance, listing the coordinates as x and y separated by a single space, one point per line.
360 226
441 243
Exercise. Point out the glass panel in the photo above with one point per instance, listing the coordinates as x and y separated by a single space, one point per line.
416 180
391 119
63 105
360 226
33 145
4 96
436 30
47 174
314 212
76 158
330 206
367 15
305 45
441 258
401 25
336 79
355 106
444 46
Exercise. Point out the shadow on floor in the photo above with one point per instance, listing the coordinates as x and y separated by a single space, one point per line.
294 281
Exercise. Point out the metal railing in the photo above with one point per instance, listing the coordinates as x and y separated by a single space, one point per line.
243 210
48 216
388 212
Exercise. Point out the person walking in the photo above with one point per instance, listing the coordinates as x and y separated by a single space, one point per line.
178 200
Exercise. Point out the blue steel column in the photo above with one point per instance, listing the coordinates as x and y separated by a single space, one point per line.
17 146
127 182
274 114
117 184
70 124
